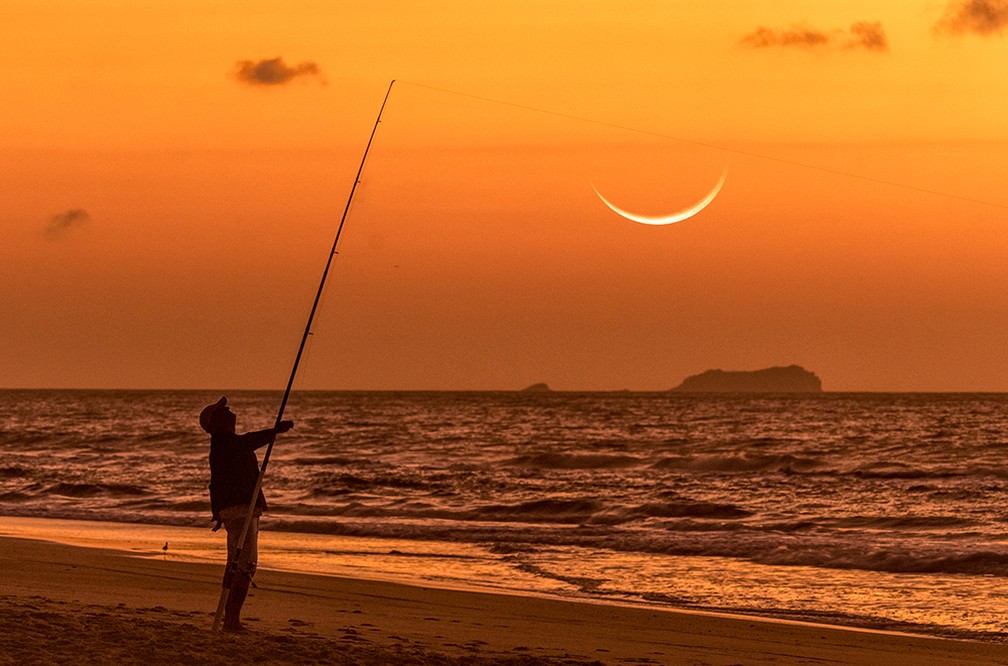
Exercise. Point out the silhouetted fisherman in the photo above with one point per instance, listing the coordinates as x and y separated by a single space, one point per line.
234 470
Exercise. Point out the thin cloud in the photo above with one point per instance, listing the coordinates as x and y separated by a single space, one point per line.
862 35
981 17
274 72
870 36
797 36
61 223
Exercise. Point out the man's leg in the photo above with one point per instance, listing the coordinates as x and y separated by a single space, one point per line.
243 573
236 597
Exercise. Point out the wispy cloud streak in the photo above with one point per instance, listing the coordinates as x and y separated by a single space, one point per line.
862 35
870 36
763 37
61 223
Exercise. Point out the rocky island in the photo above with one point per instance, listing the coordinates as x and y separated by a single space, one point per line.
790 379
537 388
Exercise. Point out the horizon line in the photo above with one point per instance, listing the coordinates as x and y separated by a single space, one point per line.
512 390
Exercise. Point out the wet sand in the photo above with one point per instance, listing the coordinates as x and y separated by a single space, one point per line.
67 604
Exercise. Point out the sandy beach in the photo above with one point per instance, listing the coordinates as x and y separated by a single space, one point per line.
63 604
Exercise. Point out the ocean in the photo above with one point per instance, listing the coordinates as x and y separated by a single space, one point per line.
885 511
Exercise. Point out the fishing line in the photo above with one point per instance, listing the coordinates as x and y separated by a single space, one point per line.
736 151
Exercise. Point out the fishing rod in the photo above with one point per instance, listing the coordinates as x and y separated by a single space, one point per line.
233 566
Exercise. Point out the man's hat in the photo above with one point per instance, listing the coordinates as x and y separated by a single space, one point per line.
206 416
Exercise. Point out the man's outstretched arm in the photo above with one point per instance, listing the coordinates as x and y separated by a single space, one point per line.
260 438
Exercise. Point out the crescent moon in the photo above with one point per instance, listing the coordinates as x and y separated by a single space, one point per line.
671 218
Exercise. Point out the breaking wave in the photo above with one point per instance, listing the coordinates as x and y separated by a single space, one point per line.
94 490
574 461
742 463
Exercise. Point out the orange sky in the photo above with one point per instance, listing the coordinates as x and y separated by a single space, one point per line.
165 220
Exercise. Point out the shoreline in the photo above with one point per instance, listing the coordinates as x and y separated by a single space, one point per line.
50 589
451 566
